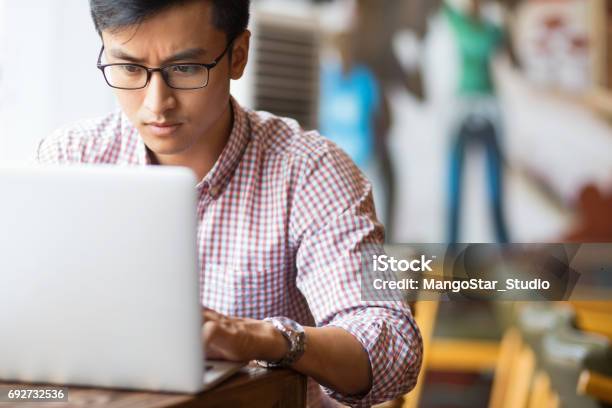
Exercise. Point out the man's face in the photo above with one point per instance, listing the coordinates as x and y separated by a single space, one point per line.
186 116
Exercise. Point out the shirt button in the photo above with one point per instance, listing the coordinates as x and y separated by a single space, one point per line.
214 190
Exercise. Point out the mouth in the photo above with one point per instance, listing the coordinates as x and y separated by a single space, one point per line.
163 128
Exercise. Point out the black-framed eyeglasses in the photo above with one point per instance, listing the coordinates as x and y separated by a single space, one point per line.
176 76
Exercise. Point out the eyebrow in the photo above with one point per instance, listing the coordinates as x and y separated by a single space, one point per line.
188 54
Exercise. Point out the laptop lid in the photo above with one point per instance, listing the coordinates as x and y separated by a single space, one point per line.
99 278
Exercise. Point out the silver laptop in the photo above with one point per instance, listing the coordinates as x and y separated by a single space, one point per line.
99 279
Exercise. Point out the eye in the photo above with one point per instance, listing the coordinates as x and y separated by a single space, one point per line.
186 69
130 69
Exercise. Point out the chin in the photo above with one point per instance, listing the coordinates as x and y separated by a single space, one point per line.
166 145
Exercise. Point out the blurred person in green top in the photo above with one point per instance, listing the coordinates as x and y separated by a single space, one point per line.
478 118
478 41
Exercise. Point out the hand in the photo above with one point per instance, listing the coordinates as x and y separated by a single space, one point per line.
241 339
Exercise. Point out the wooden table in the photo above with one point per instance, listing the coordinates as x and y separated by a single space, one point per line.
252 387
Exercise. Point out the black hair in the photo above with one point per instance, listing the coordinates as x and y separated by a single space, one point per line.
229 16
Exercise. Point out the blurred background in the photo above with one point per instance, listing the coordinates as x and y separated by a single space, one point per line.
476 121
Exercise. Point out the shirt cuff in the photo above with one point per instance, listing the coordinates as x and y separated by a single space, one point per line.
394 346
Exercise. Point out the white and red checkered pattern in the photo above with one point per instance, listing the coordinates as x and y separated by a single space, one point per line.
283 216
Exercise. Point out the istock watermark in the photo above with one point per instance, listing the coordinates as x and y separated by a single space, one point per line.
546 272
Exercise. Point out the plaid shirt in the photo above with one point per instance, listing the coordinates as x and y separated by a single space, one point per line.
283 216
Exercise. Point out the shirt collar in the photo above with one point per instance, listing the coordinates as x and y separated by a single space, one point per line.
220 174
218 177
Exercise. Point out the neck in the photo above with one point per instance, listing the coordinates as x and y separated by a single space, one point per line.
203 155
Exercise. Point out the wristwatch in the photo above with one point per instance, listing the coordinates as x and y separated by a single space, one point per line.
294 333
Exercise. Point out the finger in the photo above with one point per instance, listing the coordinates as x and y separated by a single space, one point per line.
209 332
221 315
211 315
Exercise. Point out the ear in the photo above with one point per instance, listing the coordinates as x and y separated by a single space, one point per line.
240 55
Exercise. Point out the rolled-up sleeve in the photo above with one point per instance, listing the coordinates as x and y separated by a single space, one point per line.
334 221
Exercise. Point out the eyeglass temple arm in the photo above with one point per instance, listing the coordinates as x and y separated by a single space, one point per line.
100 56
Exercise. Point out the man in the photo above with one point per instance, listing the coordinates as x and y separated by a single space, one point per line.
283 214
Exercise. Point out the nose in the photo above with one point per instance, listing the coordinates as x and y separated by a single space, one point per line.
159 96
